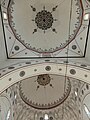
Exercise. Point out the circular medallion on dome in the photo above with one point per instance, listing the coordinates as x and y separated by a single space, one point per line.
45 91
43 79
45 26
44 20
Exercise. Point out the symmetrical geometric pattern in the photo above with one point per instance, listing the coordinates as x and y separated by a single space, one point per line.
44 19
71 108
45 29
42 97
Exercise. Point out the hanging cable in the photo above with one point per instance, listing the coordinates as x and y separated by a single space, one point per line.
67 59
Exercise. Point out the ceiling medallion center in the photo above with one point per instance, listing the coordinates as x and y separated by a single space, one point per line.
44 79
44 20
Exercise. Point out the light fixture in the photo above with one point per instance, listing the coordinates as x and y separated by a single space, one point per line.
46 117
8 115
15 96
87 111
5 16
86 16
76 93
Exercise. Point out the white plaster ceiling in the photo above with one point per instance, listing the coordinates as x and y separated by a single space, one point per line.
23 111
12 75
40 42
39 91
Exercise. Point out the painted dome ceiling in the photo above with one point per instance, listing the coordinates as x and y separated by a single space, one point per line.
41 101
45 28
44 60
38 91
26 101
42 91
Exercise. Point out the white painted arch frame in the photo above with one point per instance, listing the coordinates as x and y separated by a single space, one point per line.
40 68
